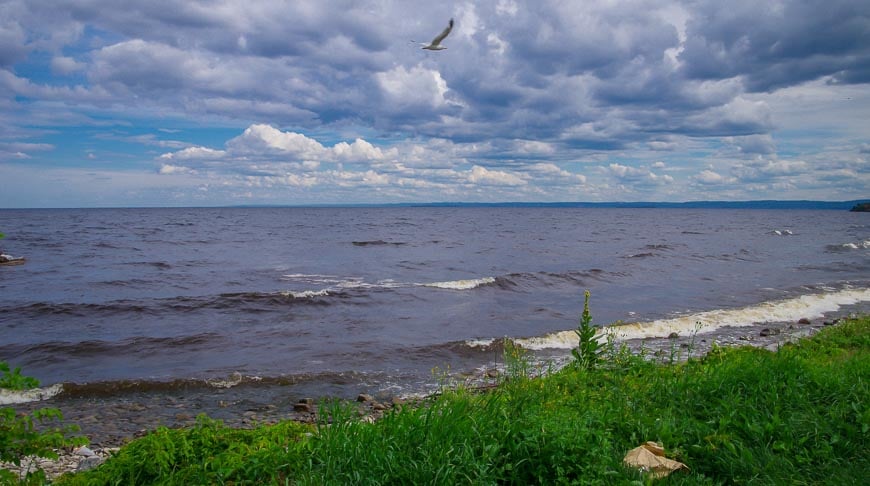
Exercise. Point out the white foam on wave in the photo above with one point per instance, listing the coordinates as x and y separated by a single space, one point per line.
334 283
809 306
11 397
461 284
234 379
855 246
306 294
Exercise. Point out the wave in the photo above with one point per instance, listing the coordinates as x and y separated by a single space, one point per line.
12 397
806 306
861 245
57 351
378 243
306 294
467 284
335 283
114 388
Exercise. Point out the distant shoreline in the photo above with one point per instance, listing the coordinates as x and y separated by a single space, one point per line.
758 204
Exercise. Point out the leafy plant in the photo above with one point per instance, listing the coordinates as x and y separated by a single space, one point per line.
588 351
23 435
12 379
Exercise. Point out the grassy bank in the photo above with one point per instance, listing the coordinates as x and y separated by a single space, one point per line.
797 416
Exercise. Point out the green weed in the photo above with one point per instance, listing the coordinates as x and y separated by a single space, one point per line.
23 435
12 379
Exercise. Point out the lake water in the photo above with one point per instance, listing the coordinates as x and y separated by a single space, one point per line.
344 298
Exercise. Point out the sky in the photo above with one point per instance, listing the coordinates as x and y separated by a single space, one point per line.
222 102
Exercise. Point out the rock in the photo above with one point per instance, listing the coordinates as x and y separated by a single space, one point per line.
89 463
365 397
379 406
673 335
302 407
493 373
804 321
84 451
768 332
306 405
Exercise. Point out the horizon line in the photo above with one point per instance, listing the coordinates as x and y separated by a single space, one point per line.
740 204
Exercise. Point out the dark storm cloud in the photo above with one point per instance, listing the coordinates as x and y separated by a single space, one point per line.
778 44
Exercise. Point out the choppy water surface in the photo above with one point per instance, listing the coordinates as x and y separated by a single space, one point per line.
341 298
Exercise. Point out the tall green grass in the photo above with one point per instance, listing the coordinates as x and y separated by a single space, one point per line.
796 416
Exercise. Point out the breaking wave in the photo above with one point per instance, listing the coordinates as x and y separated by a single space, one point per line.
861 245
805 306
467 284
12 397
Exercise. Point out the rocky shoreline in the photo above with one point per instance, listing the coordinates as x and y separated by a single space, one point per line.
110 422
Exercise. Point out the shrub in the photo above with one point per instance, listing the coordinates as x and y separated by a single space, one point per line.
12 379
23 435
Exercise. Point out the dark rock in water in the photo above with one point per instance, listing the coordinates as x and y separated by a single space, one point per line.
365 397
306 405
769 332
861 208
804 320
673 335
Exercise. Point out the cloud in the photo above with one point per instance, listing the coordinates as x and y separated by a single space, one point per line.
531 99
414 87
481 175
194 153
12 42
783 45
640 175
765 170
711 178
64 65
168 169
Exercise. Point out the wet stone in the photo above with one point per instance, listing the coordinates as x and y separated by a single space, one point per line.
306 405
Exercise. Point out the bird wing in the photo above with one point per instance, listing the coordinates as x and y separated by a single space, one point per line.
444 33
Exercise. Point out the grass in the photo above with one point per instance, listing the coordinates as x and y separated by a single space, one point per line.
796 416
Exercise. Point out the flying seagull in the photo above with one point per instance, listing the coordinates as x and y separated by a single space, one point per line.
435 45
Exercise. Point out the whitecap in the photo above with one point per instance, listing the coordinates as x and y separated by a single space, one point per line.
11 397
467 284
306 294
